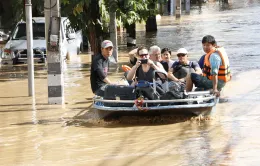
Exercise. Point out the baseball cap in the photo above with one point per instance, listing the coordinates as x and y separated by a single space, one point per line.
182 51
106 43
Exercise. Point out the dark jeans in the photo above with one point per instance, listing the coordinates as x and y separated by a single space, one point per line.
204 83
101 91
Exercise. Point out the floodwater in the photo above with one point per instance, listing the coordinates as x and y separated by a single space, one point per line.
35 133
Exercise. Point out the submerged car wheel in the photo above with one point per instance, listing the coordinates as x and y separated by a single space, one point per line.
43 60
78 50
15 61
81 47
68 56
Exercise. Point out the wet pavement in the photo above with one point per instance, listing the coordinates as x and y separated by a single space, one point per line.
35 133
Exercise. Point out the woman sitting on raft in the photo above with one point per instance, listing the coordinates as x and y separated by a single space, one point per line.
144 67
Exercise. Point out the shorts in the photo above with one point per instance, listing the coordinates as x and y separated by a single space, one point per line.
204 83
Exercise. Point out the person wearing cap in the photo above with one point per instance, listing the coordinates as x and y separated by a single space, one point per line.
216 68
144 67
99 68
182 67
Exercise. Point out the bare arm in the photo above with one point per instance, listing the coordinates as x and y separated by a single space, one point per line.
215 85
171 76
106 80
198 70
131 73
158 66
132 54
215 61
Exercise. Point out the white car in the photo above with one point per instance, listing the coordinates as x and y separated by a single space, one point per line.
15 50
3 37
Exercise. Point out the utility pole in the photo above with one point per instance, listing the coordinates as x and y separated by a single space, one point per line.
54 59
187 6
30 58
178 9
171 7
165 10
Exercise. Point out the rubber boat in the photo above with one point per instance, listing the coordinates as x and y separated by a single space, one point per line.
195 102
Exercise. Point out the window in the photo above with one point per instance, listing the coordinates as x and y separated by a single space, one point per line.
38 31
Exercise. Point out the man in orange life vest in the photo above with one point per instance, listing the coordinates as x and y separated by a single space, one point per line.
216 70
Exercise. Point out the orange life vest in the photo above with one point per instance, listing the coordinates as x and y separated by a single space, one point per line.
224 69
126 68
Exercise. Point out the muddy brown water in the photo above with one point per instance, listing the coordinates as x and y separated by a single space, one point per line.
35 133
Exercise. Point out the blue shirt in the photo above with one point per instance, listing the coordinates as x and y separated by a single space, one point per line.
215 61
201 61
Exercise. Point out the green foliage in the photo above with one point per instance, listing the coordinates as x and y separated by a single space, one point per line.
78 11
131 11
127 11
18 9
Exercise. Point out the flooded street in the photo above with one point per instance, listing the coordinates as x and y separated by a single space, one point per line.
35 133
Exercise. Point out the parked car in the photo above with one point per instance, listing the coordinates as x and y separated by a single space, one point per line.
15 50
3 37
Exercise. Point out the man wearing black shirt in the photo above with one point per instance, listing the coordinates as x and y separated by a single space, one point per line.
99 68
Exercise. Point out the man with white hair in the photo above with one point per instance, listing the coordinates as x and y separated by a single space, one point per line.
155 55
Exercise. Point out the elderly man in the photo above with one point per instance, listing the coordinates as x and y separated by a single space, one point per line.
99 68
155 55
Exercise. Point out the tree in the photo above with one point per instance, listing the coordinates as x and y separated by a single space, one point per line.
38 8
18 10
92 16
87 15
151 24
130 12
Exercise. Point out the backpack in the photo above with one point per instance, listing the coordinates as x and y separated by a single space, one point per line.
145 89
176 91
